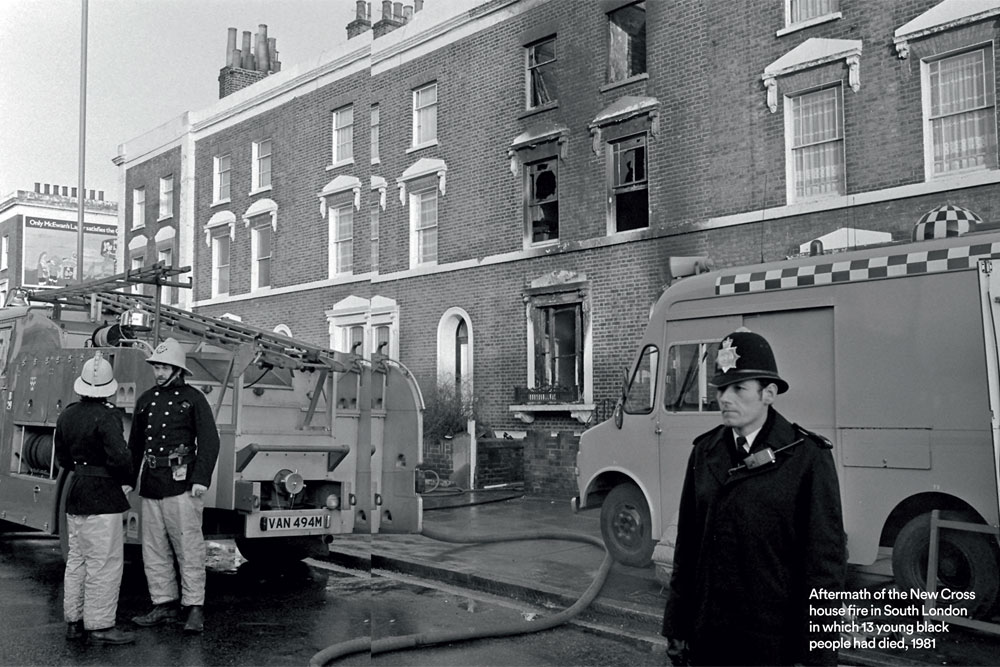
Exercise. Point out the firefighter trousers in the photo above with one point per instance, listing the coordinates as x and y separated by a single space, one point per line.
94 568
171 528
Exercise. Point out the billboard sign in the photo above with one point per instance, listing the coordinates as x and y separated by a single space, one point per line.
48 258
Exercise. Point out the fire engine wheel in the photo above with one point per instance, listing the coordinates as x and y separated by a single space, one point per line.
626 526
966 562
278 550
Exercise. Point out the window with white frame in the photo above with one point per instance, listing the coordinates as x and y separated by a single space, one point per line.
629 197
136 263
221 172
814 134
220 264
540 74
341 238
166 197
260 248
138 208
343 135
960 127
381 338
166 257
374 219
425 114
261 168
423 226
4 252
543 200
374 132
800 11
627 42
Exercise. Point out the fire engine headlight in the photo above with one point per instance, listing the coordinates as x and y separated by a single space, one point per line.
332 502
290 481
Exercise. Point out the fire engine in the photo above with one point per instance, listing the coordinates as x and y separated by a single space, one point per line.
887 350
314 443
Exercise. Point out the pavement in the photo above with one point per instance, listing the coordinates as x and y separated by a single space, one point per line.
555 573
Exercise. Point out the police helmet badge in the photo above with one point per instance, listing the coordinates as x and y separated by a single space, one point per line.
727 356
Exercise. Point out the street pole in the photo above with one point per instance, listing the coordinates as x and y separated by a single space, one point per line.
83 144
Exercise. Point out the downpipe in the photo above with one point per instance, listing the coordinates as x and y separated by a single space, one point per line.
404 642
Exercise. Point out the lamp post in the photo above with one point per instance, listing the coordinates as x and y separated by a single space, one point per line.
81 192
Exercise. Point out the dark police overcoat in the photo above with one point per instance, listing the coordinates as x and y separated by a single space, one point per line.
751 545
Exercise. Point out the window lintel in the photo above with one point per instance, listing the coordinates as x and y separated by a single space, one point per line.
621 110
425 166
946 15
813 52
338 185
262 207
218 220
536 136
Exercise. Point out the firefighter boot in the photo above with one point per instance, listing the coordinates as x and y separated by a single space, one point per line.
161 613
74 630
195 619
111 635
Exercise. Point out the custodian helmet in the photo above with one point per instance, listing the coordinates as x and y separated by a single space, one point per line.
97 379
744 355
171 353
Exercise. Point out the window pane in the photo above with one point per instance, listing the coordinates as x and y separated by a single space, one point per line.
374 238
425 114
962 113
803 10
558 364
543 202
343 121
542 73
627 42
640 395
630 161
817 143
374 132
223 178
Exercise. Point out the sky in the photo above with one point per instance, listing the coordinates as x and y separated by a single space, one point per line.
148 61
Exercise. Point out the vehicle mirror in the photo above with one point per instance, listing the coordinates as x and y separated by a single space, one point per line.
619 414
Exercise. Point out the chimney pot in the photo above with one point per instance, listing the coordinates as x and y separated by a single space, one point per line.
231 50
247 60
263 61
407 13
386 9
397 11
417 5
359 11
38 188
73 191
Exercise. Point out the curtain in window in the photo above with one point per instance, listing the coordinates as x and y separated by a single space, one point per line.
803 10
962 114
817 143
427 227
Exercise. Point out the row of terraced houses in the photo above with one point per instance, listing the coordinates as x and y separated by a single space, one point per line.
490 190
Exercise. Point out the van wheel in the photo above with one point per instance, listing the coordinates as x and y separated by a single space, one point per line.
966 562
625 526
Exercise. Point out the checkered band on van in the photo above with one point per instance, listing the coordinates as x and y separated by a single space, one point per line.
889 266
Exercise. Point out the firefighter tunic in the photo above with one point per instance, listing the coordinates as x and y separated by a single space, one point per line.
174 440
751 546
90 442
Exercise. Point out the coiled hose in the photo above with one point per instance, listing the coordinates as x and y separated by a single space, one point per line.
504 630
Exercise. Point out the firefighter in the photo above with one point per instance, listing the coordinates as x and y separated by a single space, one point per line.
759 530
90 444
174 443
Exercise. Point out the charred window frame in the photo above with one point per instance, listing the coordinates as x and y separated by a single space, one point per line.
541 77
626 42
542 206
629 193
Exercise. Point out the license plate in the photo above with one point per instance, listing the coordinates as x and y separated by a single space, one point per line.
293 522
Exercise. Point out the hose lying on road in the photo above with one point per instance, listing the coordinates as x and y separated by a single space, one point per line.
504 630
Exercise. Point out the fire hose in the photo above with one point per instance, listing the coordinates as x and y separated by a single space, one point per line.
403 642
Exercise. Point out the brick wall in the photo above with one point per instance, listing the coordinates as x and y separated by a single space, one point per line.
147 175
498 461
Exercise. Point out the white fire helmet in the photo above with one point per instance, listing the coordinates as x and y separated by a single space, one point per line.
97 379
171 353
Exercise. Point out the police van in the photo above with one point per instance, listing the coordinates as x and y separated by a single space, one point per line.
890 353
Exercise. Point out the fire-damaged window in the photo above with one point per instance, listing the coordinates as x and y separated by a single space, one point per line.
629 193
542 84
559 363
689 367
627 42
543 200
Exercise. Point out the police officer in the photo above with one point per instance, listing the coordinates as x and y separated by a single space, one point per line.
759 527
175 442
90 445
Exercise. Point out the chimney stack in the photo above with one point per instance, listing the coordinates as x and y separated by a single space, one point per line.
362 19
245 66
392 18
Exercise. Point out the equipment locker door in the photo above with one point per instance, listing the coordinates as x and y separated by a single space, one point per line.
989 290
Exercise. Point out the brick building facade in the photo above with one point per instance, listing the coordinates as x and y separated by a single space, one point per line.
491 189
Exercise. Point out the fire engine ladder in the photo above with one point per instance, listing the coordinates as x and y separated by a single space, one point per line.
250 344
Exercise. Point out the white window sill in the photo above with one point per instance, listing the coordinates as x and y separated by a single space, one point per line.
136 228
624 82
420 147
220 202
539 109
266 188
787 30
541 244
579 411
341 163
376 160
165 217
